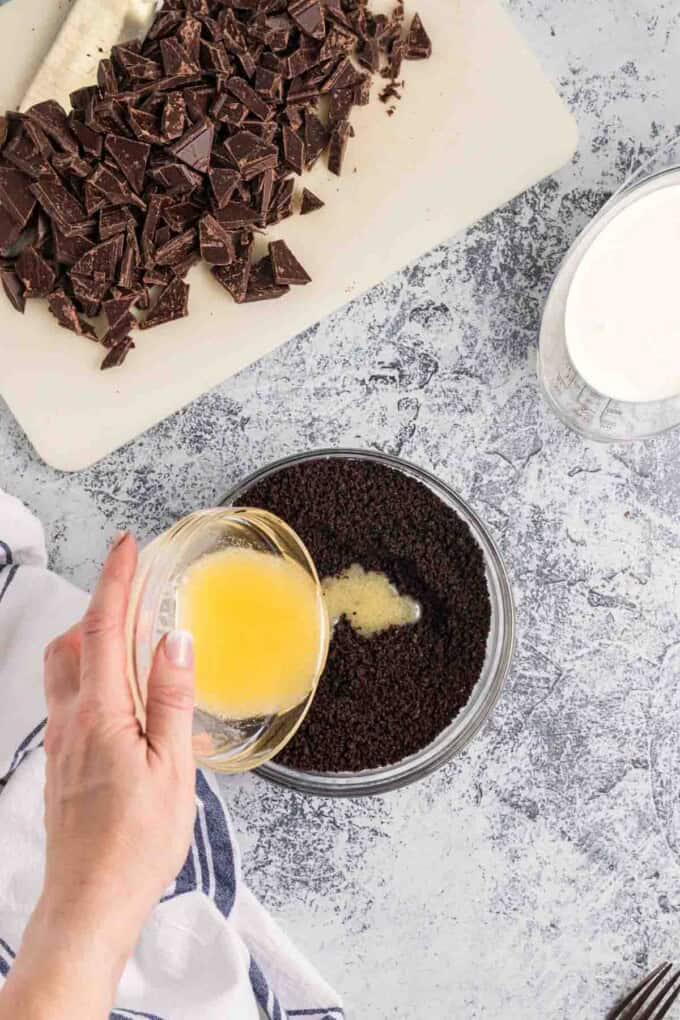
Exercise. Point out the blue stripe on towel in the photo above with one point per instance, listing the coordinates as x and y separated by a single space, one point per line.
7 554
219 849
264 995
125 1014
28 744
325 1014
11 574
6 955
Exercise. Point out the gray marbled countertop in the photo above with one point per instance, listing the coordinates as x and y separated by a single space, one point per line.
539 873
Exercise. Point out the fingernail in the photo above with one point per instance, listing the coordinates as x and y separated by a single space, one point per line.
118 540
179 648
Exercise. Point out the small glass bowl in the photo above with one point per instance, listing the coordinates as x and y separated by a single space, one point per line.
499 653
220 744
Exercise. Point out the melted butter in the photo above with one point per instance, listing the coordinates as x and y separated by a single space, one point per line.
368 600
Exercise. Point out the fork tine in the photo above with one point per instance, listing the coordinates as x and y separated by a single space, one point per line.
635 999
650 1013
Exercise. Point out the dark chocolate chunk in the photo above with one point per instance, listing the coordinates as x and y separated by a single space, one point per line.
175 58
174 116
234 277
285 267
369 54
340 105
282 201
269 83
22 153
36 273
53 120
261 283
145 127
345 76
214 57
236 216
396 57
112 221
310 202
66 164
195 146
118 354
16 195
223 183
66 314
89 292
102 258
59 204
107 79
249 97
177 248
293 150
113 187
338 147
316 137
217 246
182 214
134 65
172 303
250 155
418 43
10 232
13 288
67 250
132 157
177 178
308 15
119 318
4 129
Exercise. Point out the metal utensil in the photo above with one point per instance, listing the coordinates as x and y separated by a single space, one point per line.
91 28
652 998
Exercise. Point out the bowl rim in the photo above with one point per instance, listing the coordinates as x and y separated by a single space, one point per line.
502 636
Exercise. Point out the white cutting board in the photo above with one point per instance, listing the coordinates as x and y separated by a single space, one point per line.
478 124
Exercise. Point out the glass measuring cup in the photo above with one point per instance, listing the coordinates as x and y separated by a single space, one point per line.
583 408
219 743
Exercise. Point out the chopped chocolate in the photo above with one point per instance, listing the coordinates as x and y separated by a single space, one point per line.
236 216
285 267
195 146
310 202
250 155
132 157
261 283
36 273
112 221
59 204
338 147
293 150
66 314
418 43
308 15
249 97
16 195
172 303
217 246
10 232
103 258
316 137
118 354
174 116
223 183
177 248
14 289
184 149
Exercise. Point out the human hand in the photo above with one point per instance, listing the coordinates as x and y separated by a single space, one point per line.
119 803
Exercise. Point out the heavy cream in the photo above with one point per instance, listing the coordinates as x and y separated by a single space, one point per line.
622 318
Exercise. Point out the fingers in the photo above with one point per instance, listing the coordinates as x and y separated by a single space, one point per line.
170 695
104 666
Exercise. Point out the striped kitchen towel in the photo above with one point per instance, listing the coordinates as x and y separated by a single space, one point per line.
209 949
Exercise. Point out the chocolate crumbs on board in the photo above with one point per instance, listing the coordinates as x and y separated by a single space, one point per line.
385 697
183 148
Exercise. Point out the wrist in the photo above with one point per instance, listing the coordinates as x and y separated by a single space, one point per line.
69 964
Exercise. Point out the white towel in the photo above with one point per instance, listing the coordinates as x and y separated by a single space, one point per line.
209 951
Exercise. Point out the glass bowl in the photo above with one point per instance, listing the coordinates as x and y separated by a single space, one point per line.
499 653
225 745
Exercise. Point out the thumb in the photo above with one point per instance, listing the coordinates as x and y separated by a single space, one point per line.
170 694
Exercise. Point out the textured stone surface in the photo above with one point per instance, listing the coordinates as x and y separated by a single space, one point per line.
538 874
